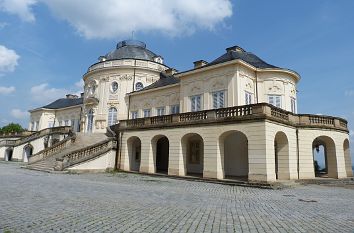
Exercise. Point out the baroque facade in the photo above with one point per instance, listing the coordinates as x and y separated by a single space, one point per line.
235 117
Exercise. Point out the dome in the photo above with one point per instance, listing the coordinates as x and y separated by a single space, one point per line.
132 49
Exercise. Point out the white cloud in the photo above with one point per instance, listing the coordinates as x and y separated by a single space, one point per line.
6 90
349 93
19 114
80 84
21 8
44 94
118 18
3 25
8 59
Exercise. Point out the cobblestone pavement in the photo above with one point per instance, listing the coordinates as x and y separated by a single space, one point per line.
33 201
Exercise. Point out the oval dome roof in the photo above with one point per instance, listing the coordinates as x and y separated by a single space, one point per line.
131 49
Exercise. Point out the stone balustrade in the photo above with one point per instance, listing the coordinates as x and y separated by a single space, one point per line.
126 62
43 154
237 113
85 154
35 135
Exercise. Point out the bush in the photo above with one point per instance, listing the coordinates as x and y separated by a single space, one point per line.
11 128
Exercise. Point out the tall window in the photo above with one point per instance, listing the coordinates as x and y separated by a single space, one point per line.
139 86
147 112
275 100
37 125
66 122
134 114
160 111
50 124
72 123
32 126
218 99
293 104
112 116
248 98
90 121
195 152
196 103
174 109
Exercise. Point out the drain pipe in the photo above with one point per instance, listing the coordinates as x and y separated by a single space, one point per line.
119 160
298 154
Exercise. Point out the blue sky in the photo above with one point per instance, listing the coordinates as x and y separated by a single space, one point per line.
46 46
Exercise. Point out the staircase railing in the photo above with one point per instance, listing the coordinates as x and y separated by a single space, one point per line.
85 154
48 152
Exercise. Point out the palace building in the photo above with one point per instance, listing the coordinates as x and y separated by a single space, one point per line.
232 118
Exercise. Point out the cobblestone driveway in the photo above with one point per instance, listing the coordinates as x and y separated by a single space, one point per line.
39 202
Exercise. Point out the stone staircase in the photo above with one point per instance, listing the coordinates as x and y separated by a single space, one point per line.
82 141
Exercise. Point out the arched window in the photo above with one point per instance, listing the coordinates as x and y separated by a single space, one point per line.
139 86
90 121
112 116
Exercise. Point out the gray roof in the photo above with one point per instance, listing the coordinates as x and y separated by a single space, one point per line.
131 49
236 52
164 80
64 103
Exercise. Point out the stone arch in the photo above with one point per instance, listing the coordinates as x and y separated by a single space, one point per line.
8 154
27 152
281 156
134 153
329 156
233 147
347 159
161 152
193 154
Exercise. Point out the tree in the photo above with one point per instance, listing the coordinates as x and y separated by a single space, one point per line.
11 128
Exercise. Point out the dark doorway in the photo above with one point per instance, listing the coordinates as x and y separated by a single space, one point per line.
162 155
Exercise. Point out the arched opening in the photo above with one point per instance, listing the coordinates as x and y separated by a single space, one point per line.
347 159
234 151
193 154
112 116
27 152
90 121
162 154
134 152
324 157
281 156
8 154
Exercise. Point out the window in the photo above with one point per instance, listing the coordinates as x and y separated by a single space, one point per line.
72 123
147 112
60 124
134 114
293 104
160 111
174 109
248 98
32 126
78 125
139 86
66 122
90 121
275 100
218 99
114 87
50 124
37 125
112 116
195 103
195 152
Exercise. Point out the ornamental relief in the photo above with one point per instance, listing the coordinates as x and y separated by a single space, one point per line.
276 87
125 77
217 85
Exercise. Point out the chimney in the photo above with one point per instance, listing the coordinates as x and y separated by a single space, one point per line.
102 58
71 96
170 71
200 63
235 49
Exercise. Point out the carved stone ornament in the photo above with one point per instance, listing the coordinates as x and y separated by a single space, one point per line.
126 77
